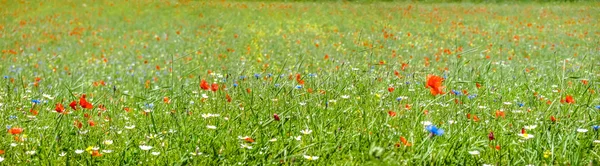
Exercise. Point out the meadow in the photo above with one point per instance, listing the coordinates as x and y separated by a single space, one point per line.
299 83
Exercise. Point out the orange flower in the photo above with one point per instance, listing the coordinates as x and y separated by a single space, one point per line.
84 103
214 87
59 108
404 141
166 100
434 83
249 140
500 114
15 130
95 153
391 89
204 85
568 99
553 119
391 113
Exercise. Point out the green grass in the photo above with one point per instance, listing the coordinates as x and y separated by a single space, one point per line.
526 57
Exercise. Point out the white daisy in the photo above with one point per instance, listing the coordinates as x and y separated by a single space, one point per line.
306 131
474 152
145 147
211 127
582 130
311 157
155 153
79 151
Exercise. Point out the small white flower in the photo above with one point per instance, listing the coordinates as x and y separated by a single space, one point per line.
107 151
31 152
205 116
306 131
155 153
108 142
311 157
95 148
531 127
79 151
345 96
298 138
426 123
302 103
474 152
205 96
1 159
451 122
582 130
130 127
62 154
245 146
145 147
525 136
48 96
13 144
273 140
482 107
211 127
597 141
507 103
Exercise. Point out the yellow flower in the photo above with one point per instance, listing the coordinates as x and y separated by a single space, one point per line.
89 149
547 153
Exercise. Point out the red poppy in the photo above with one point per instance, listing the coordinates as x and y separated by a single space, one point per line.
391 89
214 87
391 113
228 97
434 83
404 141
78 124
568 99
276 117
84 103
73 105
91 123
553 119
204 85
15 130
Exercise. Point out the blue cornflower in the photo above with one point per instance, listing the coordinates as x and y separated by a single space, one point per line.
472 96
399 99
8 127
434 130
598 107
298 86
269 75
151 105
407 83
235 85
36 101
12 117
5 77
521 104
257 75
595 127
457 93
277 85
312 75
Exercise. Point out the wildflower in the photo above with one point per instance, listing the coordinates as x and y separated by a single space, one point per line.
345 96
62 154
246 146
311 157
84 103
130 127
524 134
530 127
276 117
31 152
426 123
597 141
211 127
434 130
391 89
15 130
582 130
474 152
214 87
434 83
598 107
107 151
48 96
59 108
73 105
391 113
298 86
568 99
273 140
491 136
595 127
204 85
298 138
155 153
145 147
547 153
306 131
404 141
500 113
36 101
553 119
108 142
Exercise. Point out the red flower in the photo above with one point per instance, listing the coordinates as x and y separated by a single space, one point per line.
73 105
391 89
553 119
15 130
204 85
391 113
84 103
78 124
276 117
568 99
214 87
91 123
434 83
59 108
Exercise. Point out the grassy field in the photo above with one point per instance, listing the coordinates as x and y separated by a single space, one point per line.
332 83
